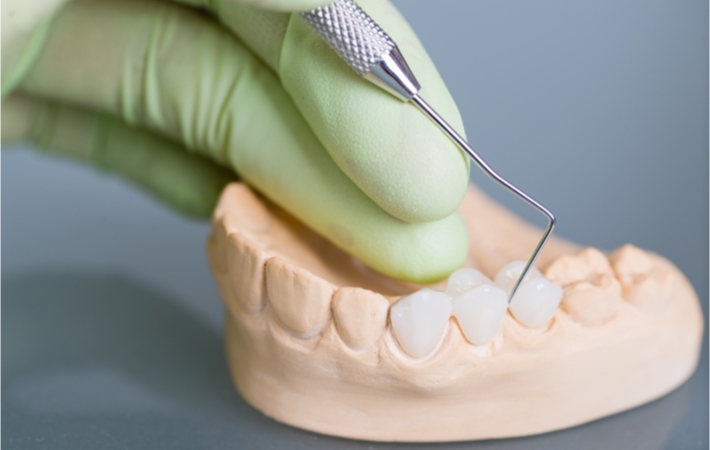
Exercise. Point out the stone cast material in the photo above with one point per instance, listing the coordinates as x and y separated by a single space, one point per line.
309 341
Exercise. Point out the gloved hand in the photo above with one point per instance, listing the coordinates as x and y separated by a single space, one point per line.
179 97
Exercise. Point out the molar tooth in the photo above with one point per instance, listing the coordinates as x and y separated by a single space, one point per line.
535 302
256 216
360 316
592 301
246 262
591 293
420 319
570 268
465 279
300 300
508 275
480 312
645 283
217 247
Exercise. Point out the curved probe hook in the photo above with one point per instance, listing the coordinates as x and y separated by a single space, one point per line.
370 52
551 221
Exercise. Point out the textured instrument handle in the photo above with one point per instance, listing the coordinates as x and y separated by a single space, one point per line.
351 33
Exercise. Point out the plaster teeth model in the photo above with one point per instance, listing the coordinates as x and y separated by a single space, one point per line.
315 340
465 279
480 312
420 319
509 274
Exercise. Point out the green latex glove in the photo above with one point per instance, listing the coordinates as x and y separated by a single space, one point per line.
178 101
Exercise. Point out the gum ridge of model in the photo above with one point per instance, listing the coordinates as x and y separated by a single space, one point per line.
317 340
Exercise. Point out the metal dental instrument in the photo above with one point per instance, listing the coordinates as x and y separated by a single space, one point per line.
368 50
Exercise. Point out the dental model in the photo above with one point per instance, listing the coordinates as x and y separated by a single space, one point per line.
316 340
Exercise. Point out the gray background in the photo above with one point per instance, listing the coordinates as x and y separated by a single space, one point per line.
111 322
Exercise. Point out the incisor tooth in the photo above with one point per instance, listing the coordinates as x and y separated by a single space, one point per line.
535 302
300 300
480 312
419 320
360 316
464 279
508 275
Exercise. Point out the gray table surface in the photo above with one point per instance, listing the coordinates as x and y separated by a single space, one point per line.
111 323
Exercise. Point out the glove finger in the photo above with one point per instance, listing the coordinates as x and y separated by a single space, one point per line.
25 24
273 5
388 148
187 182
178 73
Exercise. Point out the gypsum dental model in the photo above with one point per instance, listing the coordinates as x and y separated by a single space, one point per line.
310 337
420 319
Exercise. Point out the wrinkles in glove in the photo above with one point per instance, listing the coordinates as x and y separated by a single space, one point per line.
178 98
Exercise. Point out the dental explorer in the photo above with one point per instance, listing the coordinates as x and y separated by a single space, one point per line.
368 50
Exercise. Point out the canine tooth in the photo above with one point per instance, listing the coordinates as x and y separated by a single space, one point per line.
300 300
420 319
480 312
464 279
508 275
535 302
360 316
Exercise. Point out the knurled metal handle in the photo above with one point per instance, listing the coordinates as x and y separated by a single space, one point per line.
351 33
364 46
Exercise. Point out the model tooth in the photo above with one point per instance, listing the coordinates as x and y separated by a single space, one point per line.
360 316
630 262
217 247
593 301
509 274
256 217
480 312
300 300
465 279
535 302
591 294
246 262
420 319
645 281
570 268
